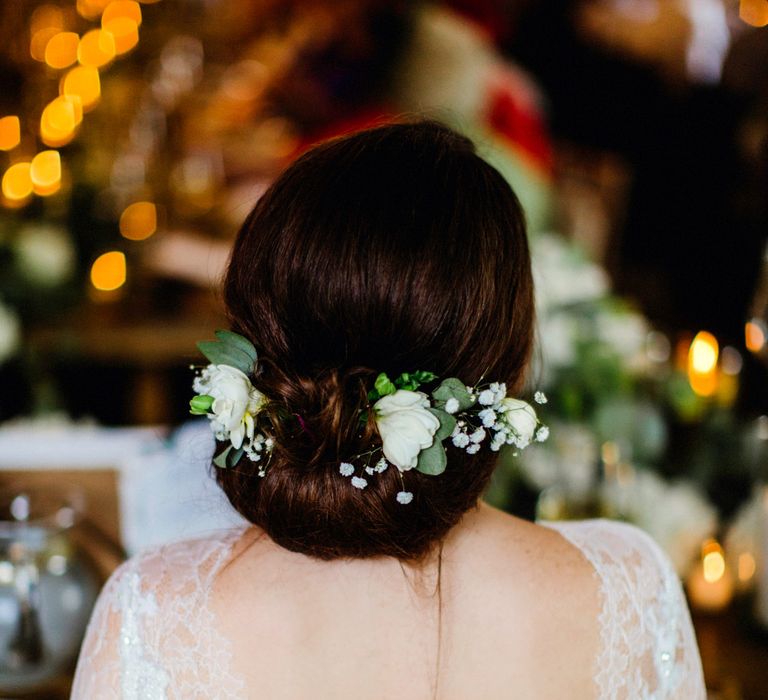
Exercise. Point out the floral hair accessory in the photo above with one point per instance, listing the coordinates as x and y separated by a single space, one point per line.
226 396
412 425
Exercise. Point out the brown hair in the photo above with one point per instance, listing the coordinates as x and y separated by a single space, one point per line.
391 250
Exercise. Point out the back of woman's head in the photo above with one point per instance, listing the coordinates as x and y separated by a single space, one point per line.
391 250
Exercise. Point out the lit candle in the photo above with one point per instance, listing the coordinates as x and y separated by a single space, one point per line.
710 585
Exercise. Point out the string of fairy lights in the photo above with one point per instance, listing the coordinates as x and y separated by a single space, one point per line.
77 61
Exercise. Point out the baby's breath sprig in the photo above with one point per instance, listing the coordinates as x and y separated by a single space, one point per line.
413 425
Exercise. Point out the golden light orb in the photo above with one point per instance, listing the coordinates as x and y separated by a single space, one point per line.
108 271
713 561
125 33
96 49
702 364
754 335
754 12
17 183
82 82
10 132
58 122
91 9
46 17
61 49
138 221
45 173
127 9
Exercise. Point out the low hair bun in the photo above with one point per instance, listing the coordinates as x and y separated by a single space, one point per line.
392 250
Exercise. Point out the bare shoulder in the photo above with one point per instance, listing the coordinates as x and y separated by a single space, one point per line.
541 598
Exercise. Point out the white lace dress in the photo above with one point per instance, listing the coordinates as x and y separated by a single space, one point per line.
152 635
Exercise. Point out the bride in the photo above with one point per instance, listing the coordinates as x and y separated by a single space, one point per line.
382 303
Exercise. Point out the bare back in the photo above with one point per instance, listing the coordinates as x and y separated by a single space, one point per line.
578 610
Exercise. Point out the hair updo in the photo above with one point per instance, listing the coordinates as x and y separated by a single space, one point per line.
391 250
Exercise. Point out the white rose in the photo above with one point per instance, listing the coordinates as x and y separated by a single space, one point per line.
406 426
520 417
235 401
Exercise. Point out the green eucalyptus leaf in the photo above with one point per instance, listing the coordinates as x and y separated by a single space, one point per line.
373 396
432 460
453 388
223 354
235 340
384 385
220 460
234 456
200 405
447 423
423 377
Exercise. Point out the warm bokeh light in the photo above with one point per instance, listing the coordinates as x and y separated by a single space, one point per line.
82 82
122 8
17 183
754 335
91 9
10 133
702 364
746 567
46 22
108 271
45 173
138 221
39 42
58 122
124 31
712 561
46 17
754 12
96 48
704 352
61 50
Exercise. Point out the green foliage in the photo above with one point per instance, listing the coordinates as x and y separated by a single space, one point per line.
230 349
200 405
452 388
229 457
409 381
432 460
447 423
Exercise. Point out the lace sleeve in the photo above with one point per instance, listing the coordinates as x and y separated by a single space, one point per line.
98 667
152 635
648 646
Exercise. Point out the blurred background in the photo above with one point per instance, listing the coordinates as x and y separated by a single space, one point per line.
136 136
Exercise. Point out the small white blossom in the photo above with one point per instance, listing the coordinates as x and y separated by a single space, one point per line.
474 448
487 398
369 471
499 391
358 482
404 497
451 405
262 473
381 465
269 443
540 397
346 469
488 416
461 440
477 436
542 433
253 456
